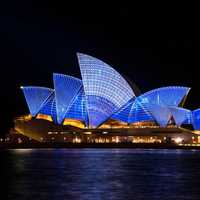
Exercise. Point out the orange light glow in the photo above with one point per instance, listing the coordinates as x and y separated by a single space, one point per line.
73 122
45 117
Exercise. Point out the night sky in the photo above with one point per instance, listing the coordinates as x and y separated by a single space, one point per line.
151 47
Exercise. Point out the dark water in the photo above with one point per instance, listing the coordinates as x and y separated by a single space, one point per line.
98 174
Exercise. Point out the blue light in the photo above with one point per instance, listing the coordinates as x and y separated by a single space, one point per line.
104 94
123 113
139 112
133 111
66 89
36 97
49 108
180 115
77 109
99 109
196 119
171 96
188 119
102 84
139 109
161 114
157 101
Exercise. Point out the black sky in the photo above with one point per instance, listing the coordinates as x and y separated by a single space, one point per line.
153 47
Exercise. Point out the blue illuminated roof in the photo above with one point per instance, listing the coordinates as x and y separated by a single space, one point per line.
133 111
77 109
36 97
123 113
158 100
49 107
161 114
139 112
105 89
180 115
139 109
196 119
171 95
66 89
104 94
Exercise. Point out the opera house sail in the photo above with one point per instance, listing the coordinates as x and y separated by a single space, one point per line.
103 105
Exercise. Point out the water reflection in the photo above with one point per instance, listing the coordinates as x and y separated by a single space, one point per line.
100 174
22 150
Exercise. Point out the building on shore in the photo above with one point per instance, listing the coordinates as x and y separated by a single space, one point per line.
104 108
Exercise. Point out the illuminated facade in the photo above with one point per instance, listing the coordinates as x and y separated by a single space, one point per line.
66 89
36 98
103 95
196 119
106 91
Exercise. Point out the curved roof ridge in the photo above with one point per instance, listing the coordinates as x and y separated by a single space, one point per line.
36 97
104 64
164 88
180 114
179 108
66 88
66 75
170 95
102 81
39 87
198 109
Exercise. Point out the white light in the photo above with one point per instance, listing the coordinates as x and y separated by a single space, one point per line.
178 140
23 150
117 139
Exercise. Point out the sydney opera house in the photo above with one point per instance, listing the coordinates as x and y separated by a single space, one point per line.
103 107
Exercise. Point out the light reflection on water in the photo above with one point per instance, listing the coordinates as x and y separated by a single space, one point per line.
21 150
100 174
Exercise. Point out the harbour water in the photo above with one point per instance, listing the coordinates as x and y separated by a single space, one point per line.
96 174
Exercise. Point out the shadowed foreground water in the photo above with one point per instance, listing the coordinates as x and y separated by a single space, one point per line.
100 174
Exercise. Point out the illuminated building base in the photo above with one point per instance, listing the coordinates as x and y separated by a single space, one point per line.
40 130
